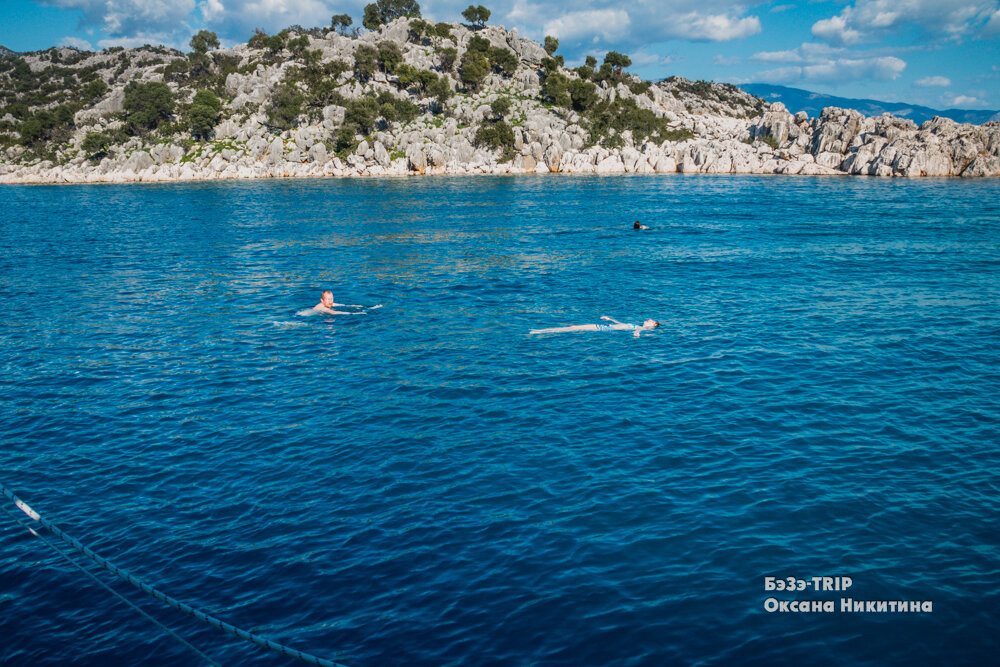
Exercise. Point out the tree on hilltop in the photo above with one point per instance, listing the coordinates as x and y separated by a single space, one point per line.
477 16
340 23
380 12
617 60
203 41
551 44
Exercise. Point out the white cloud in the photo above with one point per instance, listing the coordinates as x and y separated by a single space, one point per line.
835 30
137 22
76 43
929 81
127 18
886 68
807 52
212 10
609 24
240 17
965 101
793 56
642 58
585 26
725 61
992 26
603 24
713 27
777 9
870 20
522 12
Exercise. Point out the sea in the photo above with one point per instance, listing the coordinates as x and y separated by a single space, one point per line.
800 465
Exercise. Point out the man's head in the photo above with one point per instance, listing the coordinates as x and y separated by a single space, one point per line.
327 298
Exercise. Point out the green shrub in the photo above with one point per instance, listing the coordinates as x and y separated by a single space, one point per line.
551 44
344 141
286 106
297 45
389 56
478 44
555 89
473 68
146 105
361 113
503 60
640 88
365 59
96 144
448 55
418 30
500 107
497 135
94 91
607 120
583 94
440 90
769 140
394 109
443 31
204 113
176 70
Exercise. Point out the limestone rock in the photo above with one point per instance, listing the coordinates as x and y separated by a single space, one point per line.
381 154
837 130
138 161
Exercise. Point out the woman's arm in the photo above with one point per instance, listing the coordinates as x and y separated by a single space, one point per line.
610 319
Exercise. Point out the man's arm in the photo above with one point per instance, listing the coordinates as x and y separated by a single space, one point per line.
331 311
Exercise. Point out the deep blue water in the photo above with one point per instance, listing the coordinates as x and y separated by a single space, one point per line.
428 484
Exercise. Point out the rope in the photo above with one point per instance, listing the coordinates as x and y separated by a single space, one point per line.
163 597
69 558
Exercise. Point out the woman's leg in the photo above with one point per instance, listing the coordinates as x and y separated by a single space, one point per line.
578 327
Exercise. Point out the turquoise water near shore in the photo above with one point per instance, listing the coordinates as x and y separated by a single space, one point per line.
428 484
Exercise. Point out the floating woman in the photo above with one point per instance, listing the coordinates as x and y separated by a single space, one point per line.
615 325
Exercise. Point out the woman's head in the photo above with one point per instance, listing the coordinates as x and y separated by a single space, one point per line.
650 324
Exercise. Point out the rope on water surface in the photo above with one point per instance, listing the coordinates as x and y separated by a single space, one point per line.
163 597
69 558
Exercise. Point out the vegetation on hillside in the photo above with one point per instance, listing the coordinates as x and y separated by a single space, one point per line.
44 96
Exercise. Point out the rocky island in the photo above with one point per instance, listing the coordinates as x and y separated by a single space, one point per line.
405 96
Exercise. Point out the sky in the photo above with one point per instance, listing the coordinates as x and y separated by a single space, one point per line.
938 53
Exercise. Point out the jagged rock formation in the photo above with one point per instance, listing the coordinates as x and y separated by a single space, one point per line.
851 143
711 128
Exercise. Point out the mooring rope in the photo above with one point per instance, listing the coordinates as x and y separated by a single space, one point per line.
69 558
163 597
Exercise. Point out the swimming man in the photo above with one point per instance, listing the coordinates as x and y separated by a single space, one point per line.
326 305
615 325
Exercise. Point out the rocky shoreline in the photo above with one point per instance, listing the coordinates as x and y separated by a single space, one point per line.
726 130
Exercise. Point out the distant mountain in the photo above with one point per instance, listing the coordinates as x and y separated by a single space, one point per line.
4 52
796 99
